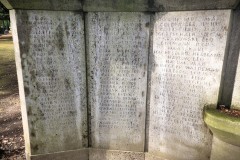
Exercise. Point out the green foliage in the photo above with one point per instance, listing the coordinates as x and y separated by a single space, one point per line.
4 13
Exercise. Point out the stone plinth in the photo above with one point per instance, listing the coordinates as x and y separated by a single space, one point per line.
50 58
222 150
100 154
226 133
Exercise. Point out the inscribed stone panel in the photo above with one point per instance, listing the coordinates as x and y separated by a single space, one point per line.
117 48
50 57
185 67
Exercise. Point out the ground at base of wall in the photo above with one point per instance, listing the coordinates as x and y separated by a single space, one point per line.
11 130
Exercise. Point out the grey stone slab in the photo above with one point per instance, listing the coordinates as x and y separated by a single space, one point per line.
116 5
81 154
64 5
50 59
222 150
100 154
117 50
156 5
186 5
121 5
185 72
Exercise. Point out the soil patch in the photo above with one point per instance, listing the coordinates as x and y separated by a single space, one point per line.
231 112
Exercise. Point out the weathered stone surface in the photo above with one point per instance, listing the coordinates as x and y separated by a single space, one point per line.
117 49
64 5
153 157
222 150
185 67
100 154
50 58
116 5
156 5
175 5
121 5
223 127
68 155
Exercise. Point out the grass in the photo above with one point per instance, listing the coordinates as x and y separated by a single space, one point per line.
8 78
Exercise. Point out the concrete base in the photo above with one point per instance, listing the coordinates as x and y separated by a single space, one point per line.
226 134
81 154
101 154
153 157
224 151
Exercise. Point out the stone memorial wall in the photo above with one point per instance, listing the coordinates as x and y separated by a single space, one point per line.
105 80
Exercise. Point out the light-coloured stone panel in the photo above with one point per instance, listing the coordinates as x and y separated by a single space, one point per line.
50 57
185 67
117 50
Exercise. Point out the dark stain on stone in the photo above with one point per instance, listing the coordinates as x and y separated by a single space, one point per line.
40 113
38 86
143 93
145 67
72 113
51 73
33 134
140 114
27 91
67 84
51 4
35 147
24 32
147 24
161 8
153 6
32 123
33 74
59 37
66 29
44 90
29 111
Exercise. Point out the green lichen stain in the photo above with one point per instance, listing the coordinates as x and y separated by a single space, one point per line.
59 36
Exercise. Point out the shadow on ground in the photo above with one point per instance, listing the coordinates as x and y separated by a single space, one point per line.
11 130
